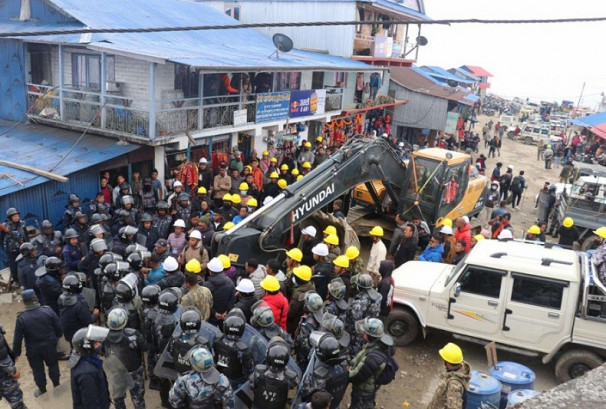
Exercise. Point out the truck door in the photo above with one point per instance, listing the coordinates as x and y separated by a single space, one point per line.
535 312
476 301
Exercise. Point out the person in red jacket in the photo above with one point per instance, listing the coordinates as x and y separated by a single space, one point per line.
275 299
463 232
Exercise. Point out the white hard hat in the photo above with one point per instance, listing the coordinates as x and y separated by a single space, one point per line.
384 135
245 286
466 219
267 200
510 167
203 160
215 265
195 235
401 144
170 264
505 234
446 230
177 183
179 223
310 231
320 249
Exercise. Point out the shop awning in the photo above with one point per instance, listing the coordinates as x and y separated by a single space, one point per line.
371 108
590 120
599 130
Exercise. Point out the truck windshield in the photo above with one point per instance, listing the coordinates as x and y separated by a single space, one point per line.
456 271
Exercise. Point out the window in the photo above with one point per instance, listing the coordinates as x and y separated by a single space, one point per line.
340 79
86 70
233 12
287 81
482 281
537 291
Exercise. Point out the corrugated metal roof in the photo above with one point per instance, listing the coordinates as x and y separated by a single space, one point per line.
415 79
35 26
42 147
477 71
464 74
398 8
440 72
590 120
220 49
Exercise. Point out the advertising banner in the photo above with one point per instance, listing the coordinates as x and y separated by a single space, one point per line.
272 106
307 102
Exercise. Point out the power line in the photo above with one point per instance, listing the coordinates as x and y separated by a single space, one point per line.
301 24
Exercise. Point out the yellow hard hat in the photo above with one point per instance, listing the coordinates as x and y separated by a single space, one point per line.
265 153
224 260
307 144
341 261
243 186
332 239
330 230
295 172
248 167
352 252
377 231
282 183
299 177
534 229
601 231
270 283
446 222
252 202
295 254
236 199
452 354
284 166
319 139
193 266
273 160
274 175
303 272
228 226
306 165
568 222
227 196
479 237
202 190
549 146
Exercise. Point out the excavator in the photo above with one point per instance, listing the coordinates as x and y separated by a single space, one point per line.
436 183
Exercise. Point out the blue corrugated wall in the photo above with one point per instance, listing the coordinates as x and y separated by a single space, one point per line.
12 80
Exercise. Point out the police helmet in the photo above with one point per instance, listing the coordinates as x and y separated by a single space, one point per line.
235 323
72 284
146 217
70 234
98 245
53 265
331 323
127 199
314 304
337 288
190 321
183 197
147 181
201 360
162 205
278 353
117 318
362 280
112 272
11 212
124 292
46 224
81 277
130 249
150 294
124 185
96 218
79 215
262 316
82 344
106 259
26 249
373 327
135 261
130 230
328 349
168 302
73 198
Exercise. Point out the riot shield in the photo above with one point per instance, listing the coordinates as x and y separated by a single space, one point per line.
244 396
118 378
258 348
305 378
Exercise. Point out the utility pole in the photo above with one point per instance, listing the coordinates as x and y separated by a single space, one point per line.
580 97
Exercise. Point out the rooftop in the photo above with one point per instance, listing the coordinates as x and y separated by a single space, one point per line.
476 70
418 80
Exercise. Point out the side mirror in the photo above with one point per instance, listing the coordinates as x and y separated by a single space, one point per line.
457 289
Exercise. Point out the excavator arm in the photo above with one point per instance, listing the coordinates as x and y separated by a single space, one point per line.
358 161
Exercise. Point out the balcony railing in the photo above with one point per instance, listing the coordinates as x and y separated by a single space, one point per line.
121 115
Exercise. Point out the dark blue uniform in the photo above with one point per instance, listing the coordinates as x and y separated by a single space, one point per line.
41 330
89 384
27 277
73 314
50 290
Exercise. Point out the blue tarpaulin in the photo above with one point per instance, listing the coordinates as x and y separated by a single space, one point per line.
590 120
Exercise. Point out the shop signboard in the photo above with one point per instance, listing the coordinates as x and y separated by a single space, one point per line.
451 123
307 102
240 117
272 106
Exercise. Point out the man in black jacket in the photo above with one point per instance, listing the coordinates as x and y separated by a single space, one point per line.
386 287
406 249
88 380
73 308
223 290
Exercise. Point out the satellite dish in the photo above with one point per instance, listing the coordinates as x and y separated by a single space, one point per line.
282 42
452 83
422 41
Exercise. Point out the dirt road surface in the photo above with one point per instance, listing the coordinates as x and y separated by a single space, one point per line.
420 364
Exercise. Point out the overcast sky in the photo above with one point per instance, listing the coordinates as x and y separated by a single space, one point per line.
540 61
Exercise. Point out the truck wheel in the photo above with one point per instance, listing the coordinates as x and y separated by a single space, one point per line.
403 326
528 140
575 363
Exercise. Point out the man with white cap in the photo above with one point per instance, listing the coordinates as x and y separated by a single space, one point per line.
177 190
223 291
194 250
246 297
173 277
307 243
322 269
205 175
449 242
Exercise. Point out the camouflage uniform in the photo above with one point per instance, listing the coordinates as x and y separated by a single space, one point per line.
9 387
307 325
362 306
450 390
357 267
201 298
363 393
191 391
331 307
331 378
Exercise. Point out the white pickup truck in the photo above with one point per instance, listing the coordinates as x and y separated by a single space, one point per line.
528 298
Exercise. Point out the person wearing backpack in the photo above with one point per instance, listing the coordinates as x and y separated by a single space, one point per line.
374 366
505 182
518 184
450 392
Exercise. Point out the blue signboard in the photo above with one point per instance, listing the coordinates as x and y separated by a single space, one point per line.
307 102
272 106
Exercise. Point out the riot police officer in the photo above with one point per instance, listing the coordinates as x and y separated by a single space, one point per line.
329 372
148 234
112 274
26 266
88 380
126 235
310 321
162 221
73 308
233 357
164 326
180 345
49 282
89 294
71 208
149 297
367 303
127 345
333 325
48 243
149 197
128 204
272 380
9 387
204 387
125 298
336 303
263 321
98 247
80 225
13 235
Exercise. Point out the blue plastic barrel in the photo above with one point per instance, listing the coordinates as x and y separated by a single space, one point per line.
513 376
520 395
483 389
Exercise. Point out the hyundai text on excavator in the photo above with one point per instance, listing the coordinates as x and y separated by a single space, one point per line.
435 184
